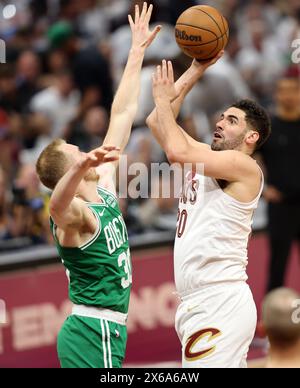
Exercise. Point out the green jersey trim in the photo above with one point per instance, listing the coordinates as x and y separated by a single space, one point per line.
54 230
108 192
96 234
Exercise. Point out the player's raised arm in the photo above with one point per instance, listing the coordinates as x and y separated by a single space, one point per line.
182 87
125 103
230 165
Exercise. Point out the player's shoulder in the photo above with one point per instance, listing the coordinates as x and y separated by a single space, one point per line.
245 166
73 216
107 177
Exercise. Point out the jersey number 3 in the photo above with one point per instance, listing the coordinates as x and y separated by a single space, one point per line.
124 261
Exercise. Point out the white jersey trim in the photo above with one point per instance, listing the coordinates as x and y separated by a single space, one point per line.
245 204
96 234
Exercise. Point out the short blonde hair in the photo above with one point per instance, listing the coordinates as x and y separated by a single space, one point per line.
51 164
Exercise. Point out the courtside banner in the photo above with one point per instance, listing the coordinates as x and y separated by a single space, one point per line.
37 304
34 305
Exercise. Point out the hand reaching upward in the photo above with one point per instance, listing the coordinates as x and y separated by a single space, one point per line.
164 84
98 156
141 35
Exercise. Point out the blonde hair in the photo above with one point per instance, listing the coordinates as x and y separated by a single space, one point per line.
51 164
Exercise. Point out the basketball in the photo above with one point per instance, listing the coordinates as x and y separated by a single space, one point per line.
201 32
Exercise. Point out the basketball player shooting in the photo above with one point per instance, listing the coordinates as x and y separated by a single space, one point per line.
216 319
89 229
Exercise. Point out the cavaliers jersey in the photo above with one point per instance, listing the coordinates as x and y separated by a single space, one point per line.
213 229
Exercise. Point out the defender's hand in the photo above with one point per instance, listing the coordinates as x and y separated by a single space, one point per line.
141 35
98 156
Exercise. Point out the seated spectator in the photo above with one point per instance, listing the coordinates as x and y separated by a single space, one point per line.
159 212
27 75
3 203
87 133
89 66
59 102
27 217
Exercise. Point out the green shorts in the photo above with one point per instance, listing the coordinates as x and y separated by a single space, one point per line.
85 342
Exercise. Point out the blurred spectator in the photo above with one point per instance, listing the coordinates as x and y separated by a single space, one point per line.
8 89
59 102
64 56
281 324
9 146
57 61
28 72
288 29
281 159
94 20
27 217
89 66
159 212
3 203
88 133
255 60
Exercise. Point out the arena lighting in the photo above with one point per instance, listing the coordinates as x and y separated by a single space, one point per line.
9 11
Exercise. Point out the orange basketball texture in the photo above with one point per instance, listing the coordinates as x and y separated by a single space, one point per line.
201 32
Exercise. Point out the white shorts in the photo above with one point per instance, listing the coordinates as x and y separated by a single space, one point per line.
216 326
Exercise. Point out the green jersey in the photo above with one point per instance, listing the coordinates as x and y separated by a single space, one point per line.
99 271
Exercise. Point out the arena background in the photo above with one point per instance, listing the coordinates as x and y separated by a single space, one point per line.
50 47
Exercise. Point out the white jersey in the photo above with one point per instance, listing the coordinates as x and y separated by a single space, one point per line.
212 235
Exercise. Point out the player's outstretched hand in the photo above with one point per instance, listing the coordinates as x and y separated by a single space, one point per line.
98 156
164 84
201 66
141 35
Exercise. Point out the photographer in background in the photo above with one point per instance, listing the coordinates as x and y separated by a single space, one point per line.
27 216
281 159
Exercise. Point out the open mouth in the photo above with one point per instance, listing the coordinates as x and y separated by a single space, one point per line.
217 135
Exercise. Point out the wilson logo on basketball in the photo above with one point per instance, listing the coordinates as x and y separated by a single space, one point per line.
184 36
195 338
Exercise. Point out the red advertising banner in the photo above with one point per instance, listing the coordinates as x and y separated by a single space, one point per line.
34 304
37 304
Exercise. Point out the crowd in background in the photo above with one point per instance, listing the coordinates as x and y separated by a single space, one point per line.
64 59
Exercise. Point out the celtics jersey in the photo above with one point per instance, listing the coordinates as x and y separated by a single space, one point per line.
99 271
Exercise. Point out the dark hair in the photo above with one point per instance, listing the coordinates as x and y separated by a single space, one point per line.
257 118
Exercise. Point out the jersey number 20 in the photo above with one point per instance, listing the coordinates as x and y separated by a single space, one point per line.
181 222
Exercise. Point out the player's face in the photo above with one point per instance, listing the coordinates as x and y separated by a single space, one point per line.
230 130
74 155
72 152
